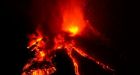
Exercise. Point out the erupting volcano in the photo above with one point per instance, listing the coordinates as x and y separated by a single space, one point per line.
73 24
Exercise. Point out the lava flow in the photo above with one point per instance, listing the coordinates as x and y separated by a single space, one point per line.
73 24
42 60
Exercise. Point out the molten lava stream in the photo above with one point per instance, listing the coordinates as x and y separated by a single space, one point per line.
42 54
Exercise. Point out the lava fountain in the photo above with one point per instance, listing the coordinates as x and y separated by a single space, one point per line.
73 18
73 24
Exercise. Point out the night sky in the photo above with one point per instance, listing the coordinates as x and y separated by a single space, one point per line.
106 15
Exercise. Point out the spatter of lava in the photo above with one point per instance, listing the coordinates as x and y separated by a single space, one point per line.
43 55
41 63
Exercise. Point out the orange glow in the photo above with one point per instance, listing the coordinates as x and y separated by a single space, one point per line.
73 30
42 54
38 72
27 66
82 53
34 39
73 22
42 71
73 18
60 42
38 45
75 64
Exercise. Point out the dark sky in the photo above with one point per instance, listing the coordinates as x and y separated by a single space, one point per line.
106 15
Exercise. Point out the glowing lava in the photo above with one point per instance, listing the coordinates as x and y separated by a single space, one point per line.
42 54
73 18
73 30
73 23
